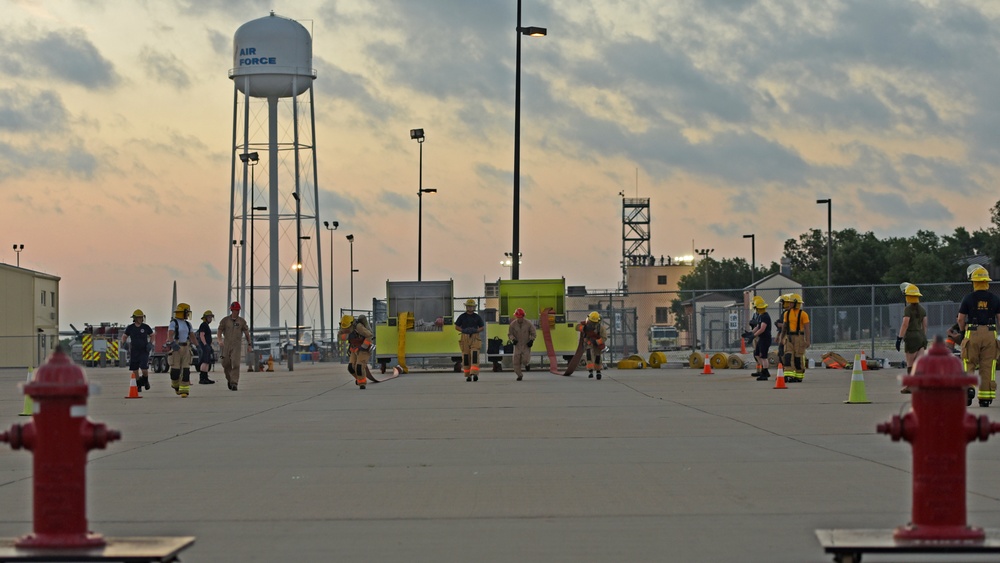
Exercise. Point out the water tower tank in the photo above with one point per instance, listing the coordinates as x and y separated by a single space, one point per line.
274 52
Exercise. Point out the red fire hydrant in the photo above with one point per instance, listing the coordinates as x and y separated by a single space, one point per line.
939 426
60 435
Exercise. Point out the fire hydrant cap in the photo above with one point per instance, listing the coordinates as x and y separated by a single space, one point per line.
939 368
58 376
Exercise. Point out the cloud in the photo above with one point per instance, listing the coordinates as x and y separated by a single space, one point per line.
164 68
65 55
32 112
17 161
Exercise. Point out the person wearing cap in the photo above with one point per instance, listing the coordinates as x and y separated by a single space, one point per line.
232 329
797 339
978 317
140 337
521 333
912 336
762 336
594 337
205 352
471 325
180 340
358 334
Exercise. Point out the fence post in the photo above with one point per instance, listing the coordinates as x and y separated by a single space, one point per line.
872 330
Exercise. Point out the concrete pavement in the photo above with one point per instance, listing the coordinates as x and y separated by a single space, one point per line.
645 465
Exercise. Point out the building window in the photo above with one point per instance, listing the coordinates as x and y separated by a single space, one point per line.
43 298
662 315
661 280
53 294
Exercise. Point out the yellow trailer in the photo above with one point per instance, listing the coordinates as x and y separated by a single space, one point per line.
536 296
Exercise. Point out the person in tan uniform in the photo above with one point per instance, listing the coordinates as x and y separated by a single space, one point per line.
594 337
232 329
359 336
521 333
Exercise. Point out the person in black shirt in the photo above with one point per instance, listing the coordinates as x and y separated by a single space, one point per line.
205 352
141 337
978 316
762 337
470 324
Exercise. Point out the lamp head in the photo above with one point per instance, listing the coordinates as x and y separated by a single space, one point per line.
534 31
417 134
350 238
249 157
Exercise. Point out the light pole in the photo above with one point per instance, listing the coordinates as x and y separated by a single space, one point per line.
252 263
508 260
515 272
18 248
753 260
829 248
704 255
331 226
248 159
350 239
418 135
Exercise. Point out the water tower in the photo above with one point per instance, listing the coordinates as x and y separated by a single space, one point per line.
275 267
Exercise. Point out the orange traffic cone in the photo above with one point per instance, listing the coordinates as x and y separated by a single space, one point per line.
864 361
708 366
780 382
133 390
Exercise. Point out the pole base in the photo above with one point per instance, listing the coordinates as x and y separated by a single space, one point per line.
848 545
113 549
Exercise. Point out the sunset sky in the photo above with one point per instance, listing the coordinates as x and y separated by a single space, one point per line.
733 116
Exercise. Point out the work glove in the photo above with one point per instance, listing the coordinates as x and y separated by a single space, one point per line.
514 342
600 342
175 346
531 343
899 339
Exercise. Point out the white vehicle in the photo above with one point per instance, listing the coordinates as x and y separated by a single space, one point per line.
662 338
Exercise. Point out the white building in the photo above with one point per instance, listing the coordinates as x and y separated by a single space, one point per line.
29 316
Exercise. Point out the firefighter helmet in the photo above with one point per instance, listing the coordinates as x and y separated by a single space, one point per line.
781 298
138 314
978 274
519 313
758 302
207 314
912 291
470 302
594 317
183 311
235 306
345 321
795 298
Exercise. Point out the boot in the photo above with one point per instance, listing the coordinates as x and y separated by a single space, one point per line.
204 380
763 375
970 394
143 381
598 375
590 374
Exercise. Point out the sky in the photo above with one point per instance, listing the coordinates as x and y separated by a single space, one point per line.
732 116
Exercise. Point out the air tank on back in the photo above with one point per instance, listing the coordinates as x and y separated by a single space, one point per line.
276 54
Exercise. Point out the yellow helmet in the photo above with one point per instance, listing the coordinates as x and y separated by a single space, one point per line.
470 302
795 298
183 311
207 314
138 313
781 298
978 274
345 321
758 302
912 291
594 317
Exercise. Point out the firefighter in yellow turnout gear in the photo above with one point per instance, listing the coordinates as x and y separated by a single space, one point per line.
471 325
359 340
594 337
978 316
180 340
797 338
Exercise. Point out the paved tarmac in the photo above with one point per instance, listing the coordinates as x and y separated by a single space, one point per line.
645 465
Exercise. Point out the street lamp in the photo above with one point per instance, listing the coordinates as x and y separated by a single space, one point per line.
704 255
515 271
298 265
331 227
418 136
753 259
508 260
350 239
829 247
18 248
248 159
